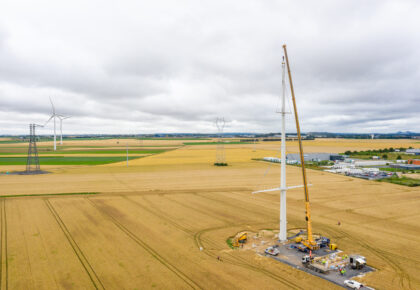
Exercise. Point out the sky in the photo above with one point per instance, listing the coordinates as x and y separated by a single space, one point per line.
140 67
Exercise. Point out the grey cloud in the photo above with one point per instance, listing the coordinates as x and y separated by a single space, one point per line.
163 65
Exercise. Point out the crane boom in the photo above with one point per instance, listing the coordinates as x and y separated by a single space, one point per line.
310 243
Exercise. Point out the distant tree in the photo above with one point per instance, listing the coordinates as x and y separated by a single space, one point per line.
385 156
391 149
402 149
399 157
410 147
348 152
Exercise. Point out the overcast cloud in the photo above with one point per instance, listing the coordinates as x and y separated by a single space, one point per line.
173 66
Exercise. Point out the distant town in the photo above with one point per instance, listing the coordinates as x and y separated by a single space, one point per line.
266 136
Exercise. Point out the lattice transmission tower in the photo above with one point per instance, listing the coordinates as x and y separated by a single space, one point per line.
32 163
220 147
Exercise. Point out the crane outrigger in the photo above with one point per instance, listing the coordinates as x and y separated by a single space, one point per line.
309 242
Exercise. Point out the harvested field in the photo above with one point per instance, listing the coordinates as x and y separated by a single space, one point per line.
163 222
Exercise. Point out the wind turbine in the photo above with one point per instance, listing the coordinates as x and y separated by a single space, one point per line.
53 116
61 117
283 188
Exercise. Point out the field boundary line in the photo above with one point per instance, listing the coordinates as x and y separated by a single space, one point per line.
149 249
4 266
48 194
85 263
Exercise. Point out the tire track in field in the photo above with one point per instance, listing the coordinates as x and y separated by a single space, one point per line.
238 207
3 260
157 212
401 273
202 210
146 247
85 263
238 261
197 239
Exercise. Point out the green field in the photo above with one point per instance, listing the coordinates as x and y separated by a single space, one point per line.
176 139
216 143
64 160
65 152
44 139
400 170
407 181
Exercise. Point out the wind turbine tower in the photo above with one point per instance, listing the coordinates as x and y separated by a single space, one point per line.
283 188
61 127
53 116
61 118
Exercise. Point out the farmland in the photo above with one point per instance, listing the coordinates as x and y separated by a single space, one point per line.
163 221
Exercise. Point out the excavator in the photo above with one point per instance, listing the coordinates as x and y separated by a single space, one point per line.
309 242
240 240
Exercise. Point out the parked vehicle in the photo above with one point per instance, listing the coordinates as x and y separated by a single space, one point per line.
357 261
323 242
273 251
302 248
353 284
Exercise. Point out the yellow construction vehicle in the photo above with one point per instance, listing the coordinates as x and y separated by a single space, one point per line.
310 243
240 240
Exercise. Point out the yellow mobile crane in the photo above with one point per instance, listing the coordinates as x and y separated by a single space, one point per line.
310 243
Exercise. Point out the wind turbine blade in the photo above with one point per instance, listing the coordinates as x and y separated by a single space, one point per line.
297 186
279 188
266 190
49 120
62 117
52 105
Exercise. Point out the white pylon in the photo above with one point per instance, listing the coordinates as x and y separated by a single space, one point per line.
283 188
55 135
53 116
61 127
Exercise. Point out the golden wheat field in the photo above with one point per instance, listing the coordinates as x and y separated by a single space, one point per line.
163 221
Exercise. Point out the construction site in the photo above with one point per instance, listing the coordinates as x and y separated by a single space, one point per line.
181 146
327 261
173 202
315 254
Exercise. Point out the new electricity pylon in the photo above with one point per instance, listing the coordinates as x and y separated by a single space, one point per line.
32 163
220 149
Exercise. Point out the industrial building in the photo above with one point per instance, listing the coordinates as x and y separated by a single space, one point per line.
362 163
315 157
406 166
413 151
278 160
351 169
